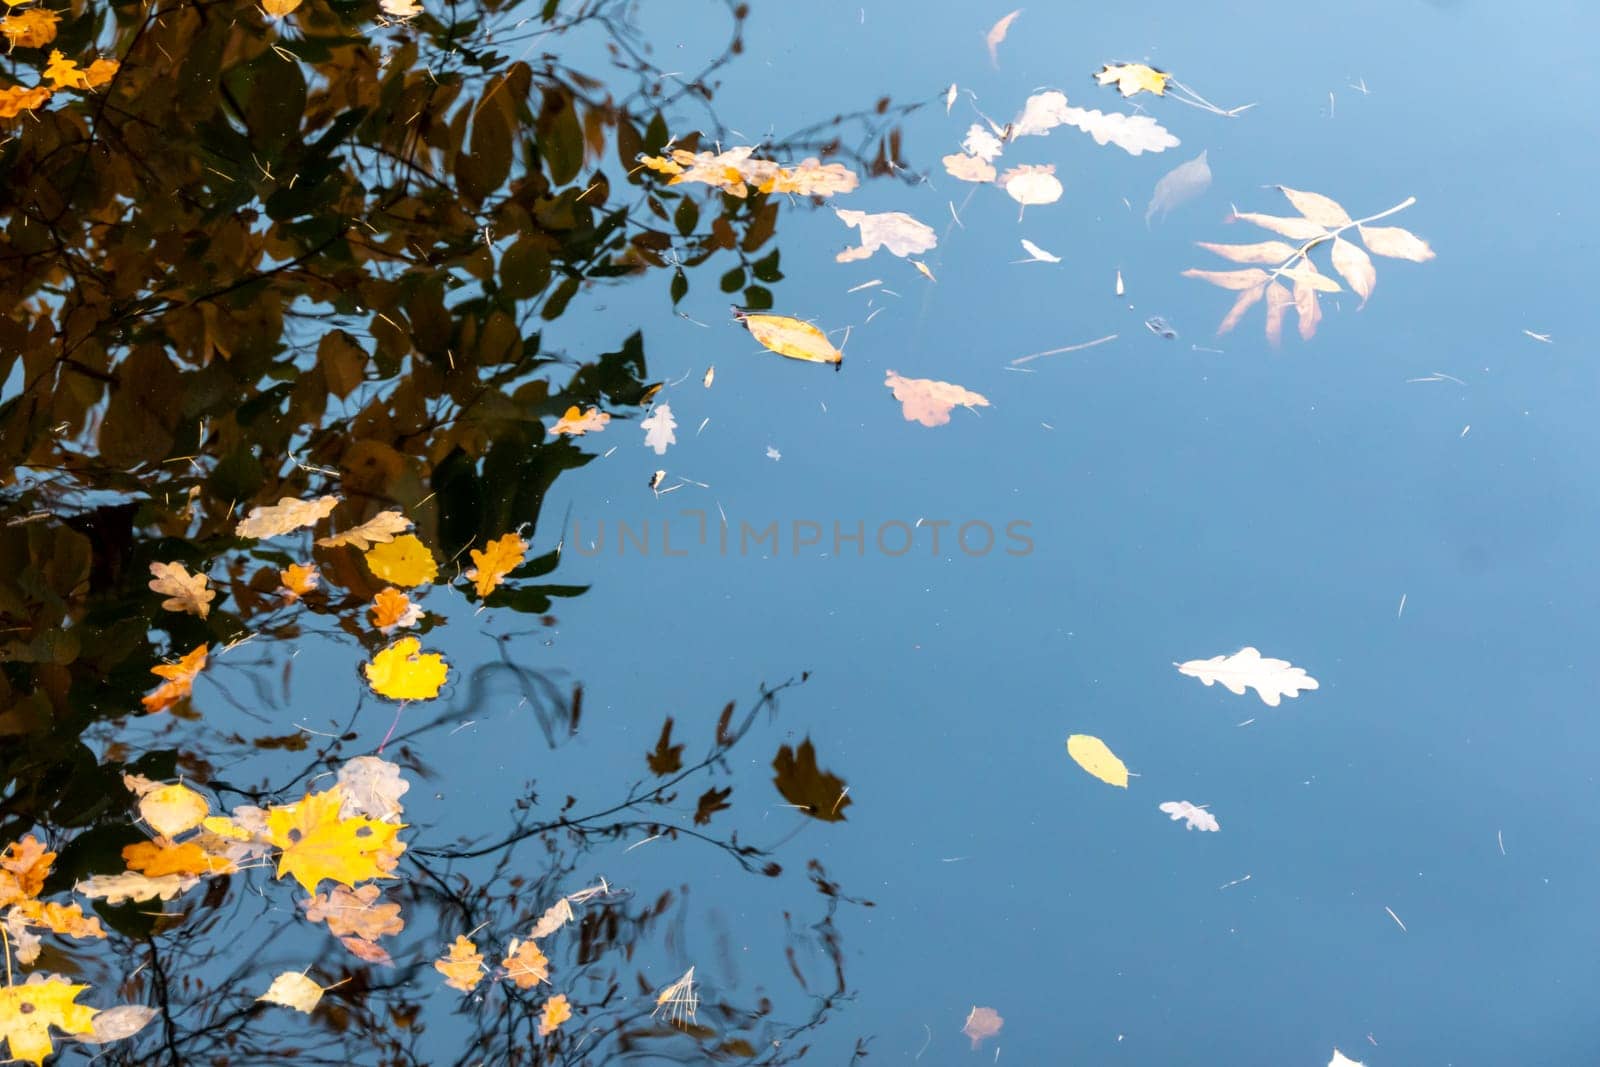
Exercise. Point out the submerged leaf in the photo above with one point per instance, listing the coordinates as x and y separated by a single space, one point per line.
930 402
1092 755
1178 186
893 231
814 791
968 168
982 1024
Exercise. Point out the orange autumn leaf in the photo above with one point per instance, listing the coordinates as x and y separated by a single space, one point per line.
299 579
14 100
499 558
66 919
33 28
462 966
930 402
525 964
556 1011
320 846
65 74
159 857
179 682
577 422
391 609
184 591
355 912
24 865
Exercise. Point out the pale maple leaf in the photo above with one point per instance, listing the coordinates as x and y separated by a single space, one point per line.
1273 679
1194 817
382 528
373 788
462 966
25 944
287 515
496 560
893 231
355 912
930 402
320 846
658 429
184 591
1341 1060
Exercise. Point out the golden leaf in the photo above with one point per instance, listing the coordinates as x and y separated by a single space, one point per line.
930 402
28 1011
293 990
32 28
403 672
1396 243
279 8
355 912
392 608
525 965
576 423
172 809
161 857
462 966
24 865
380 529
1132 78
14 100
287 515
66 919
556 1011
179 677
404 561
969 168
184 591
1273 252
298 579
1324 211
64 73
811 177
790 337
497 559
1093 756
320 846
117 888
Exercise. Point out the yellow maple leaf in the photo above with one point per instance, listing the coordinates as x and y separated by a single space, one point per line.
462 966
525 964
172 809
1092 755
28 1011
1132 78
179 677
33 28
405 561
299 579
404 672
556 1011
14 100
160 857
391 609
184 591
286 516
577 423
791 337
319 846
499 558
24 865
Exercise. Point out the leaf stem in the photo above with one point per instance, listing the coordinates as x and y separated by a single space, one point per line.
1303 252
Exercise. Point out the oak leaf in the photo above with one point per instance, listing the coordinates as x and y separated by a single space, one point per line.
1133 78
496 560
66 919
28 1011
184 591
554 918
576 422
14 100
298 579
525 965
1194 817
119 1023
380 529
659 429
24 865
1272 679
930 402
355 912
33 28
320 846
893 231
1134 134
556 1011
392 609
462 966
286 516
162 857
982 142
810 177
790 337
130 885
179 677
373 788
403 561
814 791
63 73
1092 755
293 990
404 672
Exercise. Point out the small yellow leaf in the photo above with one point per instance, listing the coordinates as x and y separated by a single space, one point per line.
556 1011
1093 756
791 337
179 677
576 423
293 990
172 809
404 672
462 966
279 8
298 579
499 558
1133 77
405 561
525 965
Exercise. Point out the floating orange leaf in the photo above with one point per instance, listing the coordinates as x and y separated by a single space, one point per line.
355 912
391 609
162 857
556 1011
462 966
576 422
64 73
320 846
930 402
14 100
499 558
24 865
525 965
298 579
404 672
404 561
179 677
32 28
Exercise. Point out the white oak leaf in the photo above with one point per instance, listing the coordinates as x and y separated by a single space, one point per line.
658 429
1193 816
1272 679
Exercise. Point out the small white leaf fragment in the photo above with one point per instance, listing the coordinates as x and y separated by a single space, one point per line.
981 143
950 98
1273 679
1341 1060
1037 254
997 34
658 429
1194 817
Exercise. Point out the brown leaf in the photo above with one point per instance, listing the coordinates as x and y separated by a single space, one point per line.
982 1023
712 801
667 757
1279 300
369 951
1296 229
1355 267
1247 300
1320 209
1396 243
816 792
1273 252
1230 279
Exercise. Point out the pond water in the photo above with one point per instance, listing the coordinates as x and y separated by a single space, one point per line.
787 702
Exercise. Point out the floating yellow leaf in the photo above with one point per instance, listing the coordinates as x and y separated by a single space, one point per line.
172 809
320 846
298 579
525 965
404 672
179 677
28 1011
499 558
380 529
293 990
157 858
32 28
287 515
930 402
391 609
14 100
1133 78
577 423
556 1011
1093 756
404 561
462 966
184 591
24 865
791 337
64 73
